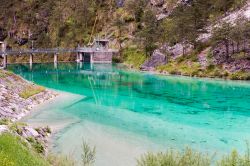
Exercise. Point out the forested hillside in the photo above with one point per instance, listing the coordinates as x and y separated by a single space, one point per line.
190 34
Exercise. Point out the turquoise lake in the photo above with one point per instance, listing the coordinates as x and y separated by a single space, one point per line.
116 107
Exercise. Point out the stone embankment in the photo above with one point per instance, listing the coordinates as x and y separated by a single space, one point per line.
17 98
12 103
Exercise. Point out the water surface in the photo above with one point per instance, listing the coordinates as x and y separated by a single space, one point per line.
122 112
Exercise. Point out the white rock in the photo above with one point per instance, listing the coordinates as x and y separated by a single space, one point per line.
3 128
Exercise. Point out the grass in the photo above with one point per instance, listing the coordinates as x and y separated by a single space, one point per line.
31 91
134 57
172 158
14 152
182 68
36 145
188 66
240 75
193 158
59 160
4 73
88 154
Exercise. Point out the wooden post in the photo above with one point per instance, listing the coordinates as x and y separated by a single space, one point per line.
4 61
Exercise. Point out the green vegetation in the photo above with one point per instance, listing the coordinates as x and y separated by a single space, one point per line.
171 158
59 160
36 145
193 69
236 35
134 57
31 91
4 73
88 154
241 75
13 151
192 158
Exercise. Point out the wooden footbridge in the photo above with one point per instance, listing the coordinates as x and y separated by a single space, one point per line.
98 52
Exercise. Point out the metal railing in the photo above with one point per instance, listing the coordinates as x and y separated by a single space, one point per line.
55 50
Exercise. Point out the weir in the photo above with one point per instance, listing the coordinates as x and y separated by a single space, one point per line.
97 52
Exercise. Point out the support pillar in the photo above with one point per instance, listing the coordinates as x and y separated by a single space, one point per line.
31 59
91 58
81 57
56 58
80 65
4 61
77 57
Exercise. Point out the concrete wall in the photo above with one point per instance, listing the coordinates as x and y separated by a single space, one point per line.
2 46
102 57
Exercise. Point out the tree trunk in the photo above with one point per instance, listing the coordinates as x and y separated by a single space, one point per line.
233 46
238 46
227 49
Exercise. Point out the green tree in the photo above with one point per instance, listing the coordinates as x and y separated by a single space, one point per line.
149 34
223 34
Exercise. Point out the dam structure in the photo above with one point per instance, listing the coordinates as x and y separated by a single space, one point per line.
97 52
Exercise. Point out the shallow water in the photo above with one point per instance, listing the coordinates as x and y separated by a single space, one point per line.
125 114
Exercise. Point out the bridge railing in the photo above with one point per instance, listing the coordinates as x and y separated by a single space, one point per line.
55 50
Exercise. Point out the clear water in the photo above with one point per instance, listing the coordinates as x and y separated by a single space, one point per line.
141 110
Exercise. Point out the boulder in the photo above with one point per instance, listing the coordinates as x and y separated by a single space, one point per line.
177 50
157 2
29 132
3 128
155 60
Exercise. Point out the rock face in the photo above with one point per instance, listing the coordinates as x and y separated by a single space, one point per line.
231 63
202 57
155 60
177 50
157 2
164 8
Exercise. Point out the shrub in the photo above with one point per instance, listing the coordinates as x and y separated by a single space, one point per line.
5 121
134 57
171 158
88 154
234 159
36 145
60 160
48 129
240 75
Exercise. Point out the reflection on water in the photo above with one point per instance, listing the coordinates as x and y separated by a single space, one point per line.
170 111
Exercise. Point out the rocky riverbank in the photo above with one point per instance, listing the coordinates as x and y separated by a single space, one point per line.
17 99
18 96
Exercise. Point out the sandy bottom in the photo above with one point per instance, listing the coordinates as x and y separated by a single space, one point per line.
113 147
